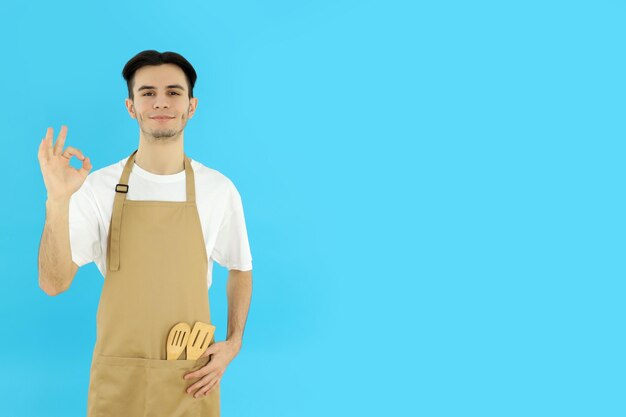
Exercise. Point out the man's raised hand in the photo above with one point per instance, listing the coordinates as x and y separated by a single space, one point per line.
61 179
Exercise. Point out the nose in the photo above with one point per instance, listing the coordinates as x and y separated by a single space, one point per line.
161 102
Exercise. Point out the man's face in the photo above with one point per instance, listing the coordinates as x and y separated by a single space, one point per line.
161 102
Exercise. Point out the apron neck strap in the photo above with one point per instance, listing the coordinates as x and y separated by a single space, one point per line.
122 187
121 190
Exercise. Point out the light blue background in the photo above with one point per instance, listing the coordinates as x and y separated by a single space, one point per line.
433 194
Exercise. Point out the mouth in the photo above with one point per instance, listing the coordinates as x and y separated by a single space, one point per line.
161 118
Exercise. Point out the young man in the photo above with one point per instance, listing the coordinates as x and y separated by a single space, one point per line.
153 222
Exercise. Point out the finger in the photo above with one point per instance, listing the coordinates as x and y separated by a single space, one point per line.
217 384
212 387
204 388
207 388
42 154
84 170
198 385
48 142
198 373
210 350
206 369
58 147
72 151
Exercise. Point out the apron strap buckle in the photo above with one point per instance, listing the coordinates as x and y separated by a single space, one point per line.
123 185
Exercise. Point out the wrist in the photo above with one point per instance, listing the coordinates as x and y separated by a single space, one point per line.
235 342
57 202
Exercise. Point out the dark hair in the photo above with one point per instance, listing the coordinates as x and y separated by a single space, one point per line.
152 57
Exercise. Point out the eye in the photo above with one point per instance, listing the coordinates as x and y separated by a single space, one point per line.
173 92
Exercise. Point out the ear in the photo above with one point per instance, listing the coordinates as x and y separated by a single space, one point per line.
130 106
193 104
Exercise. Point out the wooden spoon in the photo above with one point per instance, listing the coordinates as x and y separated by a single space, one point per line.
177 340
199 340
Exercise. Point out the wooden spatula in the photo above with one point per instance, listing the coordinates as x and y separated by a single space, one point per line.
199 340
177 340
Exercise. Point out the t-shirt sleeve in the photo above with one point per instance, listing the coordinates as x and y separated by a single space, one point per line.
232 249
84 230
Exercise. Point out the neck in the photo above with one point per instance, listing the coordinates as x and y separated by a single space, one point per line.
160 156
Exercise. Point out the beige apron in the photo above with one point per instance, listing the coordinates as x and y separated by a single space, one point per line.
156 277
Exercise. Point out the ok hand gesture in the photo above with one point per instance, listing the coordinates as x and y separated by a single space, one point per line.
61 179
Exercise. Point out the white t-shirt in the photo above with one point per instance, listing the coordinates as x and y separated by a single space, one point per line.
218 201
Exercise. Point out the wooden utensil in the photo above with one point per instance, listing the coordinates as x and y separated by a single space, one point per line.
199 339
177 340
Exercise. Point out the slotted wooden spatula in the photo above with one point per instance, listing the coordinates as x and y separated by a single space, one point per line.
177 340
199 339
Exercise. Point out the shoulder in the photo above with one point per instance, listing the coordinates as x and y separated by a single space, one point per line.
106 177
211 180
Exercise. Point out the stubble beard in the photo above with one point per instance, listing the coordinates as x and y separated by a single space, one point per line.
164 135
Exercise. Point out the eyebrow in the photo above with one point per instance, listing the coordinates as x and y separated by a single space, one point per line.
151 87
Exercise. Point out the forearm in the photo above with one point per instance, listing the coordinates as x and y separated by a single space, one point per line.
239 293
55 259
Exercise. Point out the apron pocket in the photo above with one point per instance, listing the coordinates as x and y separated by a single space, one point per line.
120 384
167 390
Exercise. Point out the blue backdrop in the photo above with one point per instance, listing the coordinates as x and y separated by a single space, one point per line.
433 195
